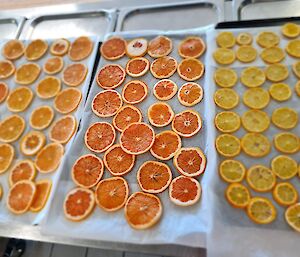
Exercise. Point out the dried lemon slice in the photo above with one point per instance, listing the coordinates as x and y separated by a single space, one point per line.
255 121
227 122
285 118
277 72
280 92
226 98
253 77
225 39
260 178
267 39
244 38
284 167
237 195
232 171
290 30
261 210
292 216
273 54
19 99
224 56
225 77
287 142
296 69
255 144
228 145
246 54
285 194
256 98
297 88
293 48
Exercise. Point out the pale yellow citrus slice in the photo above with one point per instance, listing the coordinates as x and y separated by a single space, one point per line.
224 56
277 72
227 122
253 77
260 178
297 88
290 30
226 98
228 145
284 167
225 77
256 98
293 48
280 91
255 145
267 39
225 39
244 38
285 194
237 195
292 216
272 54
287 142
255 121
285 118
246 54
261 210
232 171
296 69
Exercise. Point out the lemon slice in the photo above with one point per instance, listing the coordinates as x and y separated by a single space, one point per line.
297 88
273 54
293 48
267 39
244 38
253 77
226 98
232 171
237 195
287 142
292 216
285 194
228 145
260 178
277 72
256 98
296 69
261 210
284 167
255 121
246 54
224 56
290 30
225 77
280 91
225 39
227 122
285 118
255 144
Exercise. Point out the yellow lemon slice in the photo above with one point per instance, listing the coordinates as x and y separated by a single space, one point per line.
227 122
225 77
255 144
280 91
293 48
261 210
253 77
255 121
290 30
297 88
19 99
287 142
267 39
244 38
260 178
226 98
224 56
284 167
246 54
285 194
225 39
237 195
256 98
228 145
285 118
232 171
296 69
292 216
273 54
277 72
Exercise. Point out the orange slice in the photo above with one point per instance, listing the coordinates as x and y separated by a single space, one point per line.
137 47
261 210
225 39
244 38
43 188
154 177
63 129
41 117
112 193
80 49
191 47
13 49
74 74
53 65
290 30
224 56
225 77
7 68
292 48
32 143
113 48
127 115
27 73
11 128
137 138
260 178
134 92
255 145
277 72
48 87
99 137
232 171
160 114
106 103
165 89
137 67
267 39
190 94
160 46
237 195
7 154
23 170
59 47
163 67
190 69
110 76
285 194
228 145
36 49
87 171
166 145
3 91
67 100
143 210
292 216
272 54
184 191
187 123
253 77
246 54
19 99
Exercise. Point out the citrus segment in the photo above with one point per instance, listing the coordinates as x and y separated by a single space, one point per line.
137 67
113 48
164 89
7 69
3 91
41 117
32 143
74 74
261 210
36 49
293 47
59 47
19 99
160 114
256 98
246 54
137 47
255 144
227 122
267 39
224 56
228 145
27 73
11 128
63 129
260 178
163 67
253 77
287 143
127 115
160 46
232 171
110 76
255 121
190 94
187 123
48 87
226 98
13 49
80 49
237 195
67 100
134 91
23 170
280 92
225 77
290 30
284 167
191 47
277 72
285 118
43 188
7 154
292 216
190 69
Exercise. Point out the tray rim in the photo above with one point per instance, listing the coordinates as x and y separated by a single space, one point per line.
19 21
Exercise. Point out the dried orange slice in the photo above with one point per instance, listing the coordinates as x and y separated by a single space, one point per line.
260 178
80 49
253 77
154 177
227 122
256 98
137 138
11 128
225 77
7 68
285 118
32 143
160 46
228 145
20 196
164 89
134 92
41 117
113 48
110 76
160 114
143 210
290 30
43 188
296 69
23 170
277 72
118 162
79 204
246 54
272 54
112 193
190 162
280 92
137 47
7 154
244 38
3 91
226 98
284 167
267 39
297 88
255 121
261 210
184 191
53 65
293 47
137 67
292 216
13 49
163 67
237 195
166 145
27 73
190 94
224 56
106 103
67 100
127 115
187 123
255 145
287 143
225 39
63 129
59 47
232 171
48 87
191 47
99 137
87 171
190 69
36 49
19 99
74 74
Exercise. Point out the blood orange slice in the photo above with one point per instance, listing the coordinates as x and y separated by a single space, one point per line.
110 76
160 114
190 94
112 193
106 103
137 47
23 170
67 100
166 145
63 129
163 67
100 136
137 67
41 117
43 188
154 177
190 69
7 68
187 123
3 91
134 92
7 153
137 138
191 47
125 116
113 48
87 171
80 49
164 89
32 143
74 74
13 49
160 46
60 47
36 49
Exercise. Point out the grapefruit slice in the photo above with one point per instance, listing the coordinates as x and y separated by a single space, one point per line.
165 89
48 87
187 123
7 68
11 128
19 99
80 49
27 73
160 46
191 47
63 129
23 170
127 115
53 65
41 117
110 76
74 74
36 49
13 49
163 67
32 143
67 100
113 48
137 67
160 114
59 47
134 92
190 69
43 188
190 94
137 47
3 91
7 154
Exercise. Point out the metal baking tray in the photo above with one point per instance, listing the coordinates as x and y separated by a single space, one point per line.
10 27
171 16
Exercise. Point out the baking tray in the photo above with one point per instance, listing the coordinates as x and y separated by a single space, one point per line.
171 16
10 27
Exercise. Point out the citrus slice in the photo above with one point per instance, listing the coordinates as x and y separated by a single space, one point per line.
255 121
79 204
160 114
137 67
137 47
67 100
287 142
260 178
244 38
163 67
280 92
87 171
11 128
74 74
191 47
48 159
261 210
134 92
232 171
237 195
267 39
143 210
19 99
13 49
1 192
23 170
166 145
154 177
112 193
3 91
272 54
246 54
48 87
290 30
160 46
164 89
7 68
63 129
36 49
253 77
137 138
255 144
32 143
284 167
227 122
228 145
292 216
285 194
225 39
27 73
127 115
226 98
293 47
43 188
277 72
190 94
80 49
99 137
256 98
225 77
118 162
113 48
296 69
285 118
7 154
224 56
41 117
190 69
187 123
53 65
20 196
297 88
110 76
59 47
